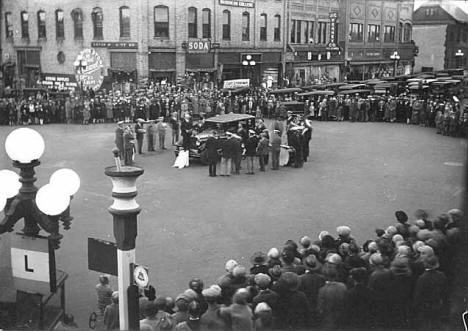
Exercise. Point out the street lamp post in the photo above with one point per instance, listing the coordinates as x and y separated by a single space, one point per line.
41 208
395 57
459 56
249 63
124 211
80 65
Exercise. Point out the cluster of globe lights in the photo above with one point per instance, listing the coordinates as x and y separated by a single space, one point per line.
25 146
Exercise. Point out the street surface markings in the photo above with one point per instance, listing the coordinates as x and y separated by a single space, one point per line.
454 164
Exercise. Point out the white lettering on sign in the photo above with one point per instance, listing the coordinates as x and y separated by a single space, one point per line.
235 3
199 46
236 83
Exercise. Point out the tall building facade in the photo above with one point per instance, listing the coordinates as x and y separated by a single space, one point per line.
213 40
445 25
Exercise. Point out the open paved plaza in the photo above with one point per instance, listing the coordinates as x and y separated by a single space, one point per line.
359 174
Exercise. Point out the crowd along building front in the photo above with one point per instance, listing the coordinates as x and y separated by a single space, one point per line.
275 42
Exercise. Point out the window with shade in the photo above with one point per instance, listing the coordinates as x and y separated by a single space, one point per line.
263 27
41 24
206 23
97 18
407 33
24 25
226 25
355 32
124 15
161 22
373 33
192 23
277 30
59 26
298 31
77 16
308 32
245 26
322 33
8 25
389 34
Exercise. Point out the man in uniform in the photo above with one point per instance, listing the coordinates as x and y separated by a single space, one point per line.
275 149
150 130
140 133
128 140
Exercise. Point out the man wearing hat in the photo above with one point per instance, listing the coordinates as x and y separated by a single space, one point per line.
129 146
150 130
250 146
140 133
228 147
212 146
275 149
161 128
111 313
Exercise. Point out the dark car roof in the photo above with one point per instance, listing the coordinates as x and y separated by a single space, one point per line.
231 117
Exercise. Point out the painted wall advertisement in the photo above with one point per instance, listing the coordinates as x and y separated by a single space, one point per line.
90 74
59 82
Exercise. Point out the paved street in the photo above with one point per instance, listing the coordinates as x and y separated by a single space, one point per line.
190 224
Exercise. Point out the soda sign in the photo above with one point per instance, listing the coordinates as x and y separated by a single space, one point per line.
199 46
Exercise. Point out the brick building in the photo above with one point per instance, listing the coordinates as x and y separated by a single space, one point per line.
376 29
445 25
214 40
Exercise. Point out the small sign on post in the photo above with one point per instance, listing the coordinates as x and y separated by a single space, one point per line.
140 275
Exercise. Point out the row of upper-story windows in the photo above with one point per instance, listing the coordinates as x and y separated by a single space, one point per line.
76 14
305 32
161 24
356 33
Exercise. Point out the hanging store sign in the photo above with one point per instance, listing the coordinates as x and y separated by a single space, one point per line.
33 264
332 45
198 46
236 83
235 3
89 76
59 82
114 45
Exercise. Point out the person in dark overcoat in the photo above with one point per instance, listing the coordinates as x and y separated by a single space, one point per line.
212 146
430 296
359 302
119 140
251 151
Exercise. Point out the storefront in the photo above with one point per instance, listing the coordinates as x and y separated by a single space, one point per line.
315 67
162 65
264 67
201 67
29 65
123 60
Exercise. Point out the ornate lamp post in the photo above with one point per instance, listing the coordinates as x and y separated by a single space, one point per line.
41 208
459 56
395 57
80 65
249 64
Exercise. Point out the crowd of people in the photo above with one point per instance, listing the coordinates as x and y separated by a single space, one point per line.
399 279
444 112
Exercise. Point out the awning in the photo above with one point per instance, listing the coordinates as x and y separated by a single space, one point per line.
200 69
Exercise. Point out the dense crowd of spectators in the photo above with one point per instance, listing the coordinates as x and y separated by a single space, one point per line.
155 100
400 279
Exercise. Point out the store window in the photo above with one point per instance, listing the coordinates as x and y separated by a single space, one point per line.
59 26
389 34
245 26
373 33
77 16
206 23
24 25
161 22
356 32
124 15
41 24
97 17
277 31
263 27
226 25
192 23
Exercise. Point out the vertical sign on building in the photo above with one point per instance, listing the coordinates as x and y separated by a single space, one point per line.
332 45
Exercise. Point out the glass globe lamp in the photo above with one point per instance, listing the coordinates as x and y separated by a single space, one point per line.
51 200
66 180
24 145
9 183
